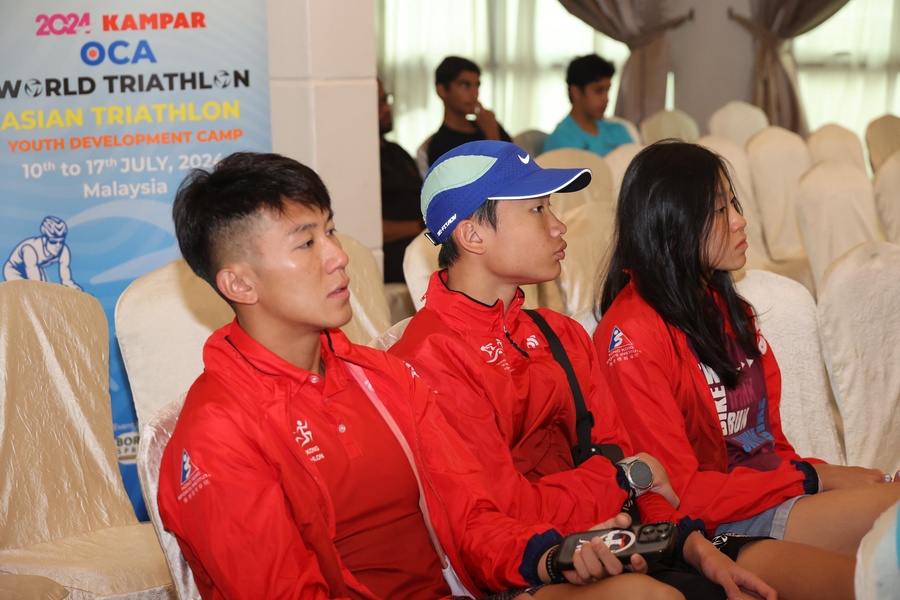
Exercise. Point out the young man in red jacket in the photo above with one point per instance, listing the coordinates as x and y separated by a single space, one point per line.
304 466
498 382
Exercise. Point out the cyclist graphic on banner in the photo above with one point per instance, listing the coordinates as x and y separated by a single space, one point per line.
33 255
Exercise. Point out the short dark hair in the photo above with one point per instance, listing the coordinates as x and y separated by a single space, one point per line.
588 69
666 208
214 210
451 67
484 214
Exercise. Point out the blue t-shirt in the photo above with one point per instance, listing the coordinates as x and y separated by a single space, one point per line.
569 135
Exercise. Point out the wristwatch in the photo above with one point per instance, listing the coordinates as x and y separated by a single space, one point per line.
638 473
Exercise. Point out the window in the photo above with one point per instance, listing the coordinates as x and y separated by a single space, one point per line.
847 67
522 46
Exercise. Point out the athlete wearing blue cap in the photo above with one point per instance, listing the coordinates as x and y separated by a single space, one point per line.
488 205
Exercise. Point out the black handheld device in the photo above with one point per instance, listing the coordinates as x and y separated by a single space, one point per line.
653 541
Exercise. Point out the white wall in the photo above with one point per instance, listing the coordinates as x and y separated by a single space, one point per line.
324 103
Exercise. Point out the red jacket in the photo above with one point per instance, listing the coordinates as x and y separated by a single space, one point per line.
252 515
666 403
516 412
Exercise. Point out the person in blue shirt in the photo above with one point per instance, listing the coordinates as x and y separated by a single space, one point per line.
589 78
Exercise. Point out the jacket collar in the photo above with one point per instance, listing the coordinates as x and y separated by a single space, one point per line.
259 358
459 309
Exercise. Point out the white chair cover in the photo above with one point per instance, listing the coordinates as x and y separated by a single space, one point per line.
531 141
860 328
737 121
877 572
422 157
882 139
669 124
787 318
832 142
618 160
371 313
600 188
586 317
390 337
633 130
155 434
590 230
836 210
778 158
163 319
421 260
887 197
65 513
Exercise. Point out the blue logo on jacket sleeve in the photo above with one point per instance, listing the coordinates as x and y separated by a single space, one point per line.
185 466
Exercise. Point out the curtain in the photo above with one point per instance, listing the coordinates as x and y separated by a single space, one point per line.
643 26
774 23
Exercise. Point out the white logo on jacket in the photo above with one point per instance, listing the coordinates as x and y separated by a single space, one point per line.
494 351
304 433
532 342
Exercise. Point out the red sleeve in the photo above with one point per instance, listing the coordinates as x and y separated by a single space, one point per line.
573 500
500 552
240 486
655 393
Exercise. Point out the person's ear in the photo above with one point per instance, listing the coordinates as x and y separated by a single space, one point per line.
441 90
236 283
467 236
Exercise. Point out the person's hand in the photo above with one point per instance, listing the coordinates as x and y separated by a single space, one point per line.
594 561
487 122
834 477
718 568
661 484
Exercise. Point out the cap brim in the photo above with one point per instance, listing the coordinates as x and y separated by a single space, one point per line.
543 183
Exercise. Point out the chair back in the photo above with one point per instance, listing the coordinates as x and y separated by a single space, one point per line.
531 141
836 210
598 190
371 313
778 158
882 139
421 260
665 124
56 433
618 160
590 229
857 308
163 319
155 434
887 197
422 157
787 318
877 576
737 121
832 142
632 129
588 320
389 338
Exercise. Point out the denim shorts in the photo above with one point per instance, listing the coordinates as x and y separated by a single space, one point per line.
769 523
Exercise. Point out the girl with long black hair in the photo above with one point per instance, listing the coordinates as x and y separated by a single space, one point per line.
696 383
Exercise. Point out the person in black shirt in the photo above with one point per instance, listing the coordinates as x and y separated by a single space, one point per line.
456 81
401 218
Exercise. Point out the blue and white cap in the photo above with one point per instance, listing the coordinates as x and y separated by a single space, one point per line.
469 175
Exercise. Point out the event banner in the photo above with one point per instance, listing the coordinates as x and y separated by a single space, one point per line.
105 107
